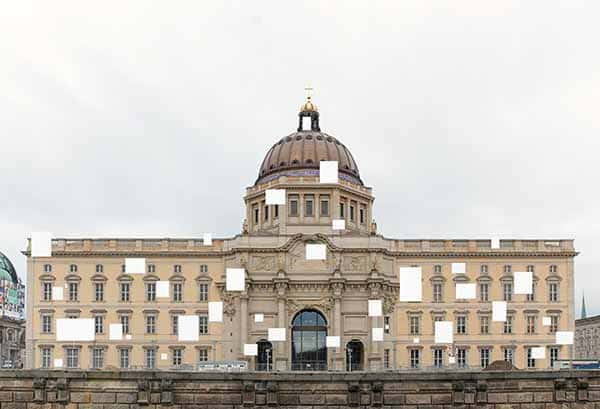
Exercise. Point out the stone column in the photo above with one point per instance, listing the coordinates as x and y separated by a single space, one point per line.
338 359
243 320
281 358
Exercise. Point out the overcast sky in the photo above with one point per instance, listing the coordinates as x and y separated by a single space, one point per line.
468 118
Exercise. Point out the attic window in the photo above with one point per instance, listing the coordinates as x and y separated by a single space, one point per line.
319 137
295 162
309 161
282 164
298 137
309 137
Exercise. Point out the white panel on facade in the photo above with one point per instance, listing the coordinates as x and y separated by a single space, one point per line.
451 360
410 284
236 279
276 334
328 171
128 337
338 224
135 265
546 321
564 337
215 311
332 342
162 289
499 311
57 293
250 349
41 244
115 332
188 327
164 357
375 308
444 332
459 268
416 340
377 334
466 291
75 329
259 317
523 282
58 363
207 239
316 252
306 123
495 243
538 353
275 197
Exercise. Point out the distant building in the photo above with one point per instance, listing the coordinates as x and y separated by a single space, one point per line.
12 315
587 338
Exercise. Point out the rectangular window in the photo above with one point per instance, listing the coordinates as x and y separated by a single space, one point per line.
509 355
553 356
531 324
461 324
362 216
125 323
177 292
47 294
461 357
508 325
46 324
97 358
484 322
507 291
484 357
174 324
342 210
203 324
553 289
484 269
276 211
150 358
72 357
73 291
437 292
324 207
484 292
203 292
177 357
150 324
151 268
553 324
309 203
415 325
46 357
99 291
124 291
386 324
294 205
202 355
255 211
415 356
99 324
530 360
386 359
177 268
124 357
151 292
351 212
531 297
266 212
438 357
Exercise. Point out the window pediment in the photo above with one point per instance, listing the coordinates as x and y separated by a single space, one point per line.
47 277
438 279
72 277
99 277
151 277
553 277
178 278
124 278
203 279
461 278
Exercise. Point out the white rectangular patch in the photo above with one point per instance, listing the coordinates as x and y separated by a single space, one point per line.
338 224
306 123
115 332
377 334
275 197
332 342
188 327
276 334
499 311
375 308
164 357
236 279
444 332
58 363
564 337
250 349
57 293
451 360
162 289
416 340
546 321
466 291
128 337
135 265
316 252
259 317
495 243
410 284
75 329
459 268
328 171
41 244
207 239
215 311
523 282
538 353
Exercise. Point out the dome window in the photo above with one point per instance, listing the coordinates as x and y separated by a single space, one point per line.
309 161
309 137
289 138
319 137
295 162
298 137
282 164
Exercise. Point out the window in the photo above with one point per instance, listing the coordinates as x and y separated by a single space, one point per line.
99 291
553 324
150 324
484 324
553 269
530 269
97 358
437 292
415 358
484 357
554 356
123 268
46 324
436 318
177 357
124 357
484 292
125 323
151 268
276 211
124 291
72 316
461 324
507 291
386 324
255 211
177 268
73 268
351 212
362 215
309 202
531 297
415 325
325 207
553 292
203 268
47 268
530 360
507 268
266 212
531 324
293 205
438 357
150 358
99 324
150 291
508 325
509 354
46 357
72 357
342 211
99 268
174 324
386 359
202 355
47 293
461 357
203 292
484 269
203 324
177 292
73 291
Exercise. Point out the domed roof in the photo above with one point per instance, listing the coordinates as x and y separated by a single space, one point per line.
302 151
7 270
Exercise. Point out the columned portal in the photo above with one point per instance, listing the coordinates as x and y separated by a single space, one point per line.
309 349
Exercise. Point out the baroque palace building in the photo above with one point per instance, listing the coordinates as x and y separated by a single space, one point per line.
311 299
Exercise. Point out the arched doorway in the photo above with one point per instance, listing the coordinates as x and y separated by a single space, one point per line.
264 360
354 355
309 349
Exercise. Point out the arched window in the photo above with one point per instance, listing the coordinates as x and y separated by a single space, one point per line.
264 360
309 350
354 355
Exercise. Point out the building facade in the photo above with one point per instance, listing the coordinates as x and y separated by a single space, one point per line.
587 338
12 316
311 299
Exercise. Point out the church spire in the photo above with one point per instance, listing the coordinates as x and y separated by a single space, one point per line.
583 311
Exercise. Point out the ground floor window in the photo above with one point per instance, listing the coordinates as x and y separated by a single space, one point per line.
97 358
553 356
484 355
150 358
124 358
438 358
72 357
46 357
415 358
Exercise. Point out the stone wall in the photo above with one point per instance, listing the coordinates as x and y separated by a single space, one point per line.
419 390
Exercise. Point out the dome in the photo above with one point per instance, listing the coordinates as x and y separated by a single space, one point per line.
7 270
